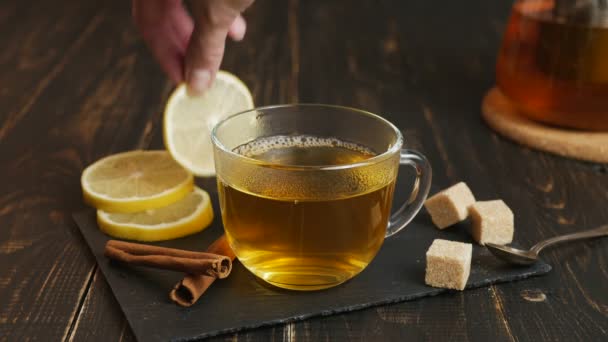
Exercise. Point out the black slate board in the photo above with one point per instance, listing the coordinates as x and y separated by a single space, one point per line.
243 302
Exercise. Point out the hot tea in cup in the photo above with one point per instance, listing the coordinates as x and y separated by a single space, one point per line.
306 191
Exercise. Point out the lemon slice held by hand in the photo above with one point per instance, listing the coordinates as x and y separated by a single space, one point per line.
187 216
188 121
135 181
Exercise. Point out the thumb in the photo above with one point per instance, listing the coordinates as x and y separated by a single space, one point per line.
213 19
204 56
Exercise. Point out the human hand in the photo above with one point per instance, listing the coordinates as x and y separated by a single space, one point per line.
190 48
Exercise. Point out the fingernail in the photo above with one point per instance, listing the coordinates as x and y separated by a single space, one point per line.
198 82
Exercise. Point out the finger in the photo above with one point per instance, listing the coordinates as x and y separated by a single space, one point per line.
170 59
204 56
183 26
166 27
213 19
169 48
237 29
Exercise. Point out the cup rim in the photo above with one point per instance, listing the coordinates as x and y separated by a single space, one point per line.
394 148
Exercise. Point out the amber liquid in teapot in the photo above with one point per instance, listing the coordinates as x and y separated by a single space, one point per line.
553 62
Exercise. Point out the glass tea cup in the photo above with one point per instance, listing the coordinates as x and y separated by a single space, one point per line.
306 190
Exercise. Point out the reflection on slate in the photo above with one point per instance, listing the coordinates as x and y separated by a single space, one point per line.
242 302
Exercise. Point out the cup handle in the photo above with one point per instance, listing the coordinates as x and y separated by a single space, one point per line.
421 188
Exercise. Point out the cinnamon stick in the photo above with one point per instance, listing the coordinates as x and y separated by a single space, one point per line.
192 287
190 262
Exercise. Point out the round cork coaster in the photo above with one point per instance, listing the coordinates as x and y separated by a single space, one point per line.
502 116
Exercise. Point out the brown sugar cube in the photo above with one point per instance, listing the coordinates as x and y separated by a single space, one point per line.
448 264
492 222
450 206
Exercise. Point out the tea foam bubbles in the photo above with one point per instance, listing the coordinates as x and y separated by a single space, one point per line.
266 144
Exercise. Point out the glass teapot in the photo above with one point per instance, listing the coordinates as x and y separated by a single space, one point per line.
553 62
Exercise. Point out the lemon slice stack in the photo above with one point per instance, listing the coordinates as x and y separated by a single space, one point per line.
150 195
145 196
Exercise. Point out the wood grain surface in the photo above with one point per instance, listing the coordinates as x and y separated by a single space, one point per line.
77 83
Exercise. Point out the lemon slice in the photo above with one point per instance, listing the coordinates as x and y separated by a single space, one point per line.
135 181
188 120
187 216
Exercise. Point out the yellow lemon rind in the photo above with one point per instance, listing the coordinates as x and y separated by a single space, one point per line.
132 205
192 224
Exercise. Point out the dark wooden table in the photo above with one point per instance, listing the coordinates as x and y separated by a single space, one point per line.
77 83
